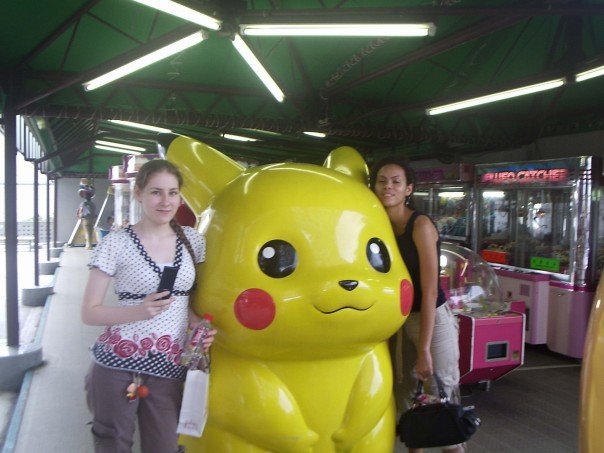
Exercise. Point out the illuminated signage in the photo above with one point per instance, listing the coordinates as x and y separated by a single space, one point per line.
495 256
545 264
526 176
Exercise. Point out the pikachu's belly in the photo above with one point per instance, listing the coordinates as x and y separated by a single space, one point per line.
318 391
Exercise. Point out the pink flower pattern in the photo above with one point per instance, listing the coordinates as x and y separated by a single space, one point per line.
124 348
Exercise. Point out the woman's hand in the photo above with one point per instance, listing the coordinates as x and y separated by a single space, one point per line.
208 340
154 304
423 366
194 322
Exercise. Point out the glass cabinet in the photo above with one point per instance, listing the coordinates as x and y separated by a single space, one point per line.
542 217
446 194
540 225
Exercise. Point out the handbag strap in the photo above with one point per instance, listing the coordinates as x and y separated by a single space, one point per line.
441 391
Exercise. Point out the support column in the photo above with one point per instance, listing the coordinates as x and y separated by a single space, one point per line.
10 228
36 229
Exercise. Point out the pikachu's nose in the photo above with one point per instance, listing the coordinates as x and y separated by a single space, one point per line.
348 285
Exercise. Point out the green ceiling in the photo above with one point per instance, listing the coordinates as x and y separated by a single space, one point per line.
370 93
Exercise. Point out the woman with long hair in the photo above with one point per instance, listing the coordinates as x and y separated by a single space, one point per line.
430 334
136 373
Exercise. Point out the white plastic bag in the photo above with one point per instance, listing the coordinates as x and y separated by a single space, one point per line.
194 409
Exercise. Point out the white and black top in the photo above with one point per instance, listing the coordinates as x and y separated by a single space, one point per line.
152 346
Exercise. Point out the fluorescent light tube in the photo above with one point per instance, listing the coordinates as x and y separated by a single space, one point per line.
315 134
451 194
116 150
586 75
178 10
145 61
120 145
493 194
420 29
239 138
141 126
496 96
257 67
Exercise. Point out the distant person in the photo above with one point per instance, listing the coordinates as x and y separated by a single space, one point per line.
430 334
136 374
87 211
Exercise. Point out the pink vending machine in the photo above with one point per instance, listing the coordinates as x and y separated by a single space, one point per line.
537 224
491 330
446 194
490 345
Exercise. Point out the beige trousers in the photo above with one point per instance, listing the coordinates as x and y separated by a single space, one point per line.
445 357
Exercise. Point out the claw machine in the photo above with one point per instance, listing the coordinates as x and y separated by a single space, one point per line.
121 197
446 194
491 330
132 163
536 223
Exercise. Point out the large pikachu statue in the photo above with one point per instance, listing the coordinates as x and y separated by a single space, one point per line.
591 431
305 283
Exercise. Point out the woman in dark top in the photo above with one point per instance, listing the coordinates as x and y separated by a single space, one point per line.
430 334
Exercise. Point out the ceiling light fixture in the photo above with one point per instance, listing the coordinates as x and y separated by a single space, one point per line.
586 75
257 67
392 30
239 138
145 61
184 12
120 145
116 150
146 127
551 84
315 134
451 194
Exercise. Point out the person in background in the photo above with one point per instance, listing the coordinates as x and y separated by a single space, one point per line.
430 334
87 211
136 372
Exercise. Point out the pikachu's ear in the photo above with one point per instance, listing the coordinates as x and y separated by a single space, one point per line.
205 170
349 161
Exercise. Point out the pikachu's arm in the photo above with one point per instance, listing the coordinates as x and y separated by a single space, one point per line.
369 399
250 401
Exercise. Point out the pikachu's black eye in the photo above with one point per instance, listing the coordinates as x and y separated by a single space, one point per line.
378 255
277 258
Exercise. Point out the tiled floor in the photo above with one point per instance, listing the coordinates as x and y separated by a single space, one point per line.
533 409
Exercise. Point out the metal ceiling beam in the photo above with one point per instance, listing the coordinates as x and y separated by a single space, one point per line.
58 77
399 136
57 33
167 118
447 43
389 14
116 62
510 84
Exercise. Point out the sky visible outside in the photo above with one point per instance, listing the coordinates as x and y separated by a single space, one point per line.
25 189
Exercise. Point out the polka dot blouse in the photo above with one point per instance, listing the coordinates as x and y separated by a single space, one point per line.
151 346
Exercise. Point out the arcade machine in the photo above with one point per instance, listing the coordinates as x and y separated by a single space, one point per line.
121 196
491 330
132 163
104 221
446 194
537 224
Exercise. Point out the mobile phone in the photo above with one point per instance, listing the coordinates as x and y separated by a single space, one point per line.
166 282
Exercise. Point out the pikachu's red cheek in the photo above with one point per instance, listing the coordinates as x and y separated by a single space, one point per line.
255 309
406 297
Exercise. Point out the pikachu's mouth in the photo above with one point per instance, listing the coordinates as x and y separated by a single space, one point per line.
347 307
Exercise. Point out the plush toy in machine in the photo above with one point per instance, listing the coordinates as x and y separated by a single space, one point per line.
306 285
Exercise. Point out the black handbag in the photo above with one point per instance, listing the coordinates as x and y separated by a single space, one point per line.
437 424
